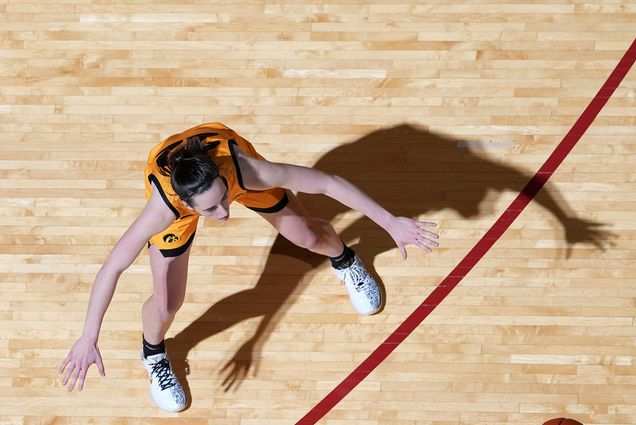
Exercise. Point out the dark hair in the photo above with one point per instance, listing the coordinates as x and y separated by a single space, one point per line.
191 170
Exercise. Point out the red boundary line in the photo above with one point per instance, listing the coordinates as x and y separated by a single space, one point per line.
481 248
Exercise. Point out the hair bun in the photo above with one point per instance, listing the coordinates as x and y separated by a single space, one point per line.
172 156
196 145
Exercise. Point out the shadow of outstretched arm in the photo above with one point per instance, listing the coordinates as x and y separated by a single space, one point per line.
408 170
576 230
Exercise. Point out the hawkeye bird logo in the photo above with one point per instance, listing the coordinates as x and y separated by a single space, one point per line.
170 238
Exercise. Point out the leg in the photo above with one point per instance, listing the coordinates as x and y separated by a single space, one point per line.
169 275
294 223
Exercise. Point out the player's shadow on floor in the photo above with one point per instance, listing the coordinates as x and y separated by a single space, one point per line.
409 171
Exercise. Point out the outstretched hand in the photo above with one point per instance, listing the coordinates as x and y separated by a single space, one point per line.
83 354
405 230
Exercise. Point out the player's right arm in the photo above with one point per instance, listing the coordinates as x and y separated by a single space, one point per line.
155 217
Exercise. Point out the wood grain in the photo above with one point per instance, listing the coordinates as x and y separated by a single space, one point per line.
440 110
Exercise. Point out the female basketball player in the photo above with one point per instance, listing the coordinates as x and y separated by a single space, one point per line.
200 172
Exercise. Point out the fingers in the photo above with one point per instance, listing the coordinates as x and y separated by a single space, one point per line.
82 377
407 230
64 364
100 365
403 251
74 376
68 374
426 223
423 243
428 242
423 246
428 234
424 232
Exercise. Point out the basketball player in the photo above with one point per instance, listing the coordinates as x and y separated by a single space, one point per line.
200 172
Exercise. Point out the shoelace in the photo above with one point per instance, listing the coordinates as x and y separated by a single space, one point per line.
358 275
161 370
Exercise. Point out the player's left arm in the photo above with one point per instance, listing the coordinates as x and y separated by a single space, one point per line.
262 175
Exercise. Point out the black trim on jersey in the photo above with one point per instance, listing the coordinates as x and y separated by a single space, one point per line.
231 143
162 157
175 252
153 179
279 206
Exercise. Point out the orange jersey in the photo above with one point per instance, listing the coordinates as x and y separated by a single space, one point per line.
222 142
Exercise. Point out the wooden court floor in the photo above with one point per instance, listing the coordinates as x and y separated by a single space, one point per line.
441 110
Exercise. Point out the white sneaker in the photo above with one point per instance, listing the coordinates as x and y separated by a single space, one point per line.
363 289
165 389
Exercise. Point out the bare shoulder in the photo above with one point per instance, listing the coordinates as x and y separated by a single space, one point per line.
244 160
252 170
